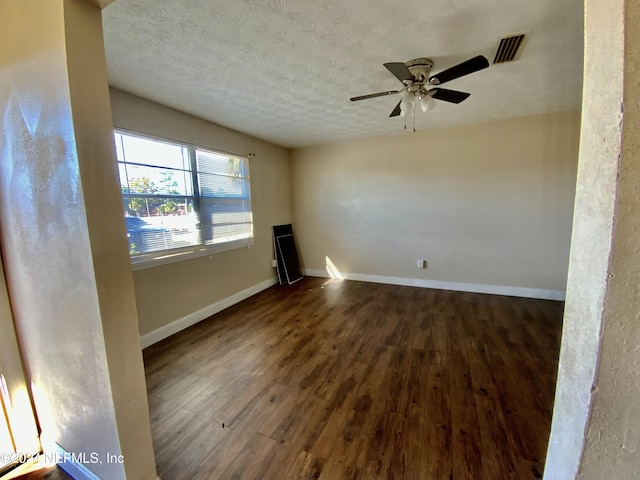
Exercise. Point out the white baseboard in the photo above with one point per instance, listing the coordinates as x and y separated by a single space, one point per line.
75 469
442 285
72 467
191 319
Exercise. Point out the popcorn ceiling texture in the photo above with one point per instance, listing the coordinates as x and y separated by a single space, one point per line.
283 70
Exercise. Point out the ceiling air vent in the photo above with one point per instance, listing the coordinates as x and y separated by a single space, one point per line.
509 48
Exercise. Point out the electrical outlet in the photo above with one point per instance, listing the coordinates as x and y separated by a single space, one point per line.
421 264
274 263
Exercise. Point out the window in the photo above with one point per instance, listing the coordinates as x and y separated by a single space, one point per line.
180 200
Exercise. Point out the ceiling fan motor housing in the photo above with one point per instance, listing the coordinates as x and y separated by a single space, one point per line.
420 68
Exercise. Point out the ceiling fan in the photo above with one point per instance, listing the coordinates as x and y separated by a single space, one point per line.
414 74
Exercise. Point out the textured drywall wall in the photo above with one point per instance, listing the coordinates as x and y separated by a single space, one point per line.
68 275
612 445
93 130
596 422
170 292
486 204
45 244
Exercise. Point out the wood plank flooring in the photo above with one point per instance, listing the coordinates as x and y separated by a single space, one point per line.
329 380
35 471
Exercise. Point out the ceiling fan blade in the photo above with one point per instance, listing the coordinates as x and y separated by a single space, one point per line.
396 111
374 95
452 96
399 70
460 70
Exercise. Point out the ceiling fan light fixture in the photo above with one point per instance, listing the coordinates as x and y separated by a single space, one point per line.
426 103
408 104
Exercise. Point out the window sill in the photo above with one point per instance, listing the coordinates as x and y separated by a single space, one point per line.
157 259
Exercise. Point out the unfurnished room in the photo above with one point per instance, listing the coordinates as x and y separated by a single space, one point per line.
319 240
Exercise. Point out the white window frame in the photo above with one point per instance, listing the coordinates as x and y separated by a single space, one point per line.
172 255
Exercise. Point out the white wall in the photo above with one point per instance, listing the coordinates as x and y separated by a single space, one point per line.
487 204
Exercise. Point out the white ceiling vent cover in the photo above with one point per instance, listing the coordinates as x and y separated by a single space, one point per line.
510 48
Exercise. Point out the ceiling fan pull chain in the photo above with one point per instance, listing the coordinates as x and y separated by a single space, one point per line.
414 120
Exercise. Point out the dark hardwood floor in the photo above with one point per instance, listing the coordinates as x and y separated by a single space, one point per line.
36 471
339 379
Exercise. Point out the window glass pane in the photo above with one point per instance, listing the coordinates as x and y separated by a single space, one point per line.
160 207
151 180
147 151
225 220
156 223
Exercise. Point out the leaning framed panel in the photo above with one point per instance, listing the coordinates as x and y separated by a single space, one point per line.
287 263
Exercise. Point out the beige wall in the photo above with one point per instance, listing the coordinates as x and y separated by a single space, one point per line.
92 122
485 204
67 272
170 292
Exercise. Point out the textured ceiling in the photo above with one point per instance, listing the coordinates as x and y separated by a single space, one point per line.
283 70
